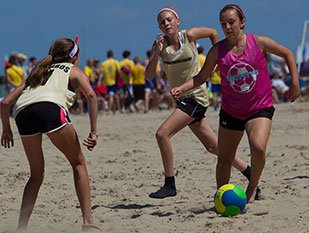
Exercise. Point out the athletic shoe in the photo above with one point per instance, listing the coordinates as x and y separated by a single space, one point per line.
164 192
258 194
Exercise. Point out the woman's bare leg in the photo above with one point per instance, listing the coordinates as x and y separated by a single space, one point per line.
67 142
258 131
228 141
34 153
173 124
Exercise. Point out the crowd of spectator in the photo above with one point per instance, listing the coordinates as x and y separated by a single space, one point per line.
121 86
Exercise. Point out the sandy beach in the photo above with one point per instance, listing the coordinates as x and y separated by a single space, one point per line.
126 166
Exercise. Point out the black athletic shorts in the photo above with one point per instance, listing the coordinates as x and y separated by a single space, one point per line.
192 108
139 92
229 122
42 117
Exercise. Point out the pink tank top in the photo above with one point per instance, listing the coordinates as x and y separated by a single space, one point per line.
245 81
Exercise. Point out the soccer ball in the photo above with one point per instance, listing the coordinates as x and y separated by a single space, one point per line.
242 77
230 200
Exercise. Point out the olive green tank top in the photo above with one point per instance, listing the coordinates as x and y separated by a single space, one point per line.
183 65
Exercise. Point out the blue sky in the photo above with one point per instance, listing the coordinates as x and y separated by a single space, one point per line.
31 26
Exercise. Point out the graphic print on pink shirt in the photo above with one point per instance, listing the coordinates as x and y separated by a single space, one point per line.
242 77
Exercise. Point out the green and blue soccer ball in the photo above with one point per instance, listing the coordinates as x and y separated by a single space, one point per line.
230 200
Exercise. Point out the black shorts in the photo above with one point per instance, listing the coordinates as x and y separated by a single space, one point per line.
42 117
192 108
139 92
229 122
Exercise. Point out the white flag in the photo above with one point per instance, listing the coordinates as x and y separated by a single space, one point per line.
306 52
299 54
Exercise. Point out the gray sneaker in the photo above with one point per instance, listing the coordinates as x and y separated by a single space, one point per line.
164 192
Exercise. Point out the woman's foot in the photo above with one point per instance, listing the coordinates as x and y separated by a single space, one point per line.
251 193
90 228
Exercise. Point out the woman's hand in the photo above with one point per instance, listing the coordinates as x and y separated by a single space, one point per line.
159 42
7 140
293 92
176 92
91 141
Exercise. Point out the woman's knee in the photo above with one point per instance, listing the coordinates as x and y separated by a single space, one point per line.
78 162
37 177
212 148
225 160
161 134
79 170
258 150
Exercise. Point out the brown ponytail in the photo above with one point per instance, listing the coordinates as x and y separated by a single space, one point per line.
58 52
40 72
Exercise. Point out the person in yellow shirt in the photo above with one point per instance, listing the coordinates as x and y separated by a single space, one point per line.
14 74
81 100
202 59
138 80
152 87
201 55
215 81
110 67
126 66
89 72
100 87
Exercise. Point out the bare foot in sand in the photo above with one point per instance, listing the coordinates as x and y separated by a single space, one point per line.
250 192
91 228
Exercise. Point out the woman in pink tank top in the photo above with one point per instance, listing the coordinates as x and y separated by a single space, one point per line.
246 93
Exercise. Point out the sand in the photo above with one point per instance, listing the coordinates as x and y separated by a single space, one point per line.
126 166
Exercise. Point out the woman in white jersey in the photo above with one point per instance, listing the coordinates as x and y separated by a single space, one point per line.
246 93
180 62
41 107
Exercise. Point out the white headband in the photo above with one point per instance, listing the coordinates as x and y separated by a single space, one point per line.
74 51
169 9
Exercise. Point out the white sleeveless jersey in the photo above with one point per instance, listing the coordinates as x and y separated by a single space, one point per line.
55 90
181 66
